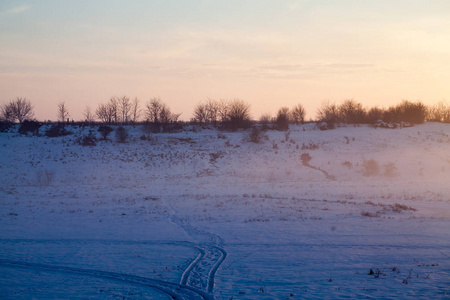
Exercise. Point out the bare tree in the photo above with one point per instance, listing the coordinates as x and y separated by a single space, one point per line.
439 113
238 114
212 111
352 112
158 112
124 108
113 107
110 112
135 110
200 114
88 115
63 112
224 107
7 113
208 112
153 110
165 115
19 109
328 112
298 114
159 115
104 113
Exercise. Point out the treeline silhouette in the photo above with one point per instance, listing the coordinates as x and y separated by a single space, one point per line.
228 114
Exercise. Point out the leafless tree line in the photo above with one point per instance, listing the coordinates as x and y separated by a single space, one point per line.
233 113
352 112
123 110
116 110
230 113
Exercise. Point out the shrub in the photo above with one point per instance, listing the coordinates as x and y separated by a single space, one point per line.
407 111
121 135
44 177
282 119
287 134
213 157
305 158
57 130
374 115
390 170
370 167
392 115
413 112
4 126
351 112
439 113
172 127
369 214
149 128
328 113
348 164
88 140
310 146
264 120
256 135
105 131
29 126
237 115
298 114
221 136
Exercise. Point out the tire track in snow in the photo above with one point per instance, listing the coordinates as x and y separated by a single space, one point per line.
174 290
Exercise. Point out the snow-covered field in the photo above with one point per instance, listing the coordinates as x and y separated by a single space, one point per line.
355 212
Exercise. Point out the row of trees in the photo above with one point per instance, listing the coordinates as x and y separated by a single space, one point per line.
125 111
116 110
352 112
233 114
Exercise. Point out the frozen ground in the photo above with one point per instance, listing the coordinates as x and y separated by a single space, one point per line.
354 212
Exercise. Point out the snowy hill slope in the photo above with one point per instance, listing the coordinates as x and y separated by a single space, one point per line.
302 214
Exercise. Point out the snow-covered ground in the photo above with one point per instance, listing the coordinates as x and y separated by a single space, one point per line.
354 212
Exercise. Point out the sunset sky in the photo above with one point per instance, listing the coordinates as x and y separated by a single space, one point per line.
266 52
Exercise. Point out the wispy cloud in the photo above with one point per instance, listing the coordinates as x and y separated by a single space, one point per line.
19 9
312 70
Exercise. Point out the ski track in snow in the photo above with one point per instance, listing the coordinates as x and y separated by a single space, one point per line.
174 290
197 280
201 272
